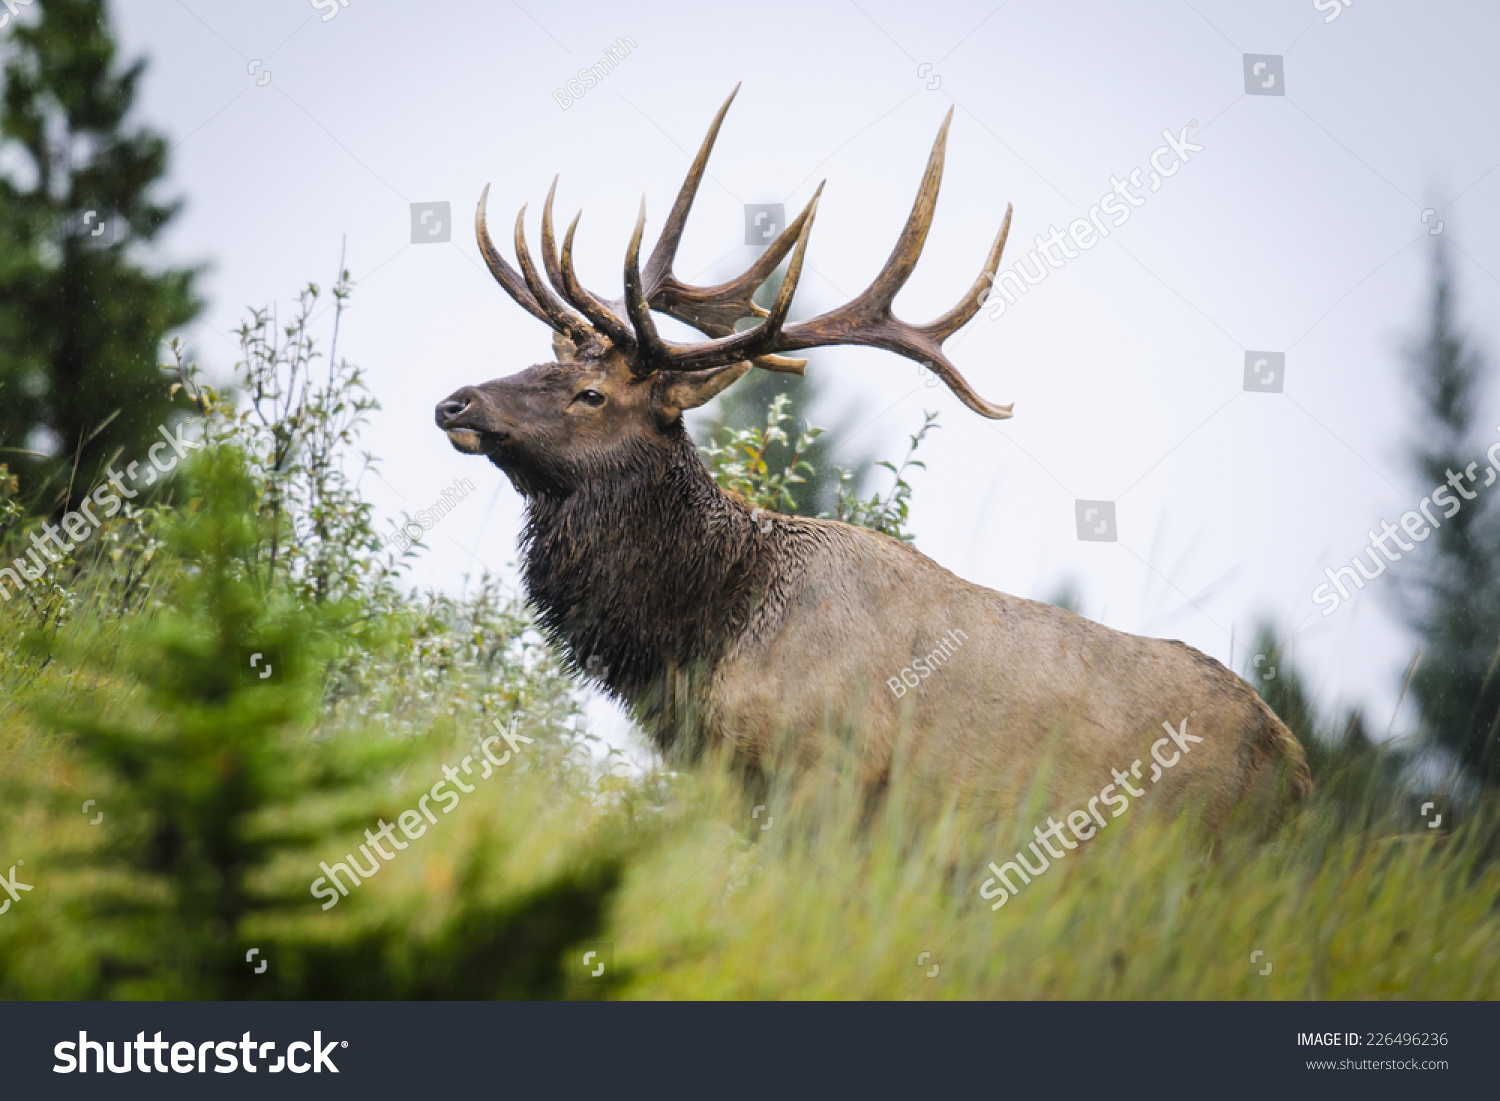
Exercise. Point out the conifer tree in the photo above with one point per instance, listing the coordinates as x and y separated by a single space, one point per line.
82 313
1454 603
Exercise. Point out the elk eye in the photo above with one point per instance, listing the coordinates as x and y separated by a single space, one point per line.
589 397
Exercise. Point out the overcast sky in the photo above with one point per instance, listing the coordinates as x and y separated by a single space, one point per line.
1302 227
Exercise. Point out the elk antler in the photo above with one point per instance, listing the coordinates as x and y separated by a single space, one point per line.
714 310
656 353
600 313
543 306
867 320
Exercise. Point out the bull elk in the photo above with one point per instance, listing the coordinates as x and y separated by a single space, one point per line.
717 628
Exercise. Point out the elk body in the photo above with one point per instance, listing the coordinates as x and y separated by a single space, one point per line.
766 633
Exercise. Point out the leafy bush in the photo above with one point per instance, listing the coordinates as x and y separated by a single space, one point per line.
222 792
737 458
887 515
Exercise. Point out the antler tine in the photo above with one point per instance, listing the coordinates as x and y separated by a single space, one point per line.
874 303
924 343
652 350
561 316
504 274
714 310
549 241
658 268
566 280
597 311
711 310
936 362
956 318
751 343
868 319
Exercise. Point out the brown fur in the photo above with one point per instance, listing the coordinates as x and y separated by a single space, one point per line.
662 586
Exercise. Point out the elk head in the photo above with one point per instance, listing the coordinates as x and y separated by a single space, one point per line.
616 393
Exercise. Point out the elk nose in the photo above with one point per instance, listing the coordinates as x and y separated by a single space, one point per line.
448 410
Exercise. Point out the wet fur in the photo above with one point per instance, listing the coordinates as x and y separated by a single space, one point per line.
661 586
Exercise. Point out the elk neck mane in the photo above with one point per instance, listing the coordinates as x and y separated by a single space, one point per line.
642 578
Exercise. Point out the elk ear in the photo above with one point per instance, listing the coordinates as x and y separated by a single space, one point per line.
679 390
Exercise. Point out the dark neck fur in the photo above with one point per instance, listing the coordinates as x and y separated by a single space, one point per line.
641 580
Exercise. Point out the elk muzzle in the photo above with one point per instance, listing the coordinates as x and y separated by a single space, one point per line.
454 416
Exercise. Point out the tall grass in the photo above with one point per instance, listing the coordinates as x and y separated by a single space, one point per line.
828 904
